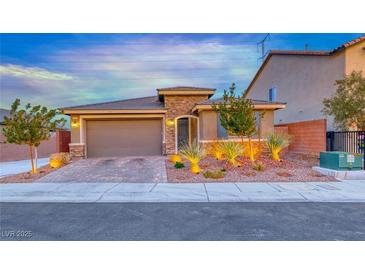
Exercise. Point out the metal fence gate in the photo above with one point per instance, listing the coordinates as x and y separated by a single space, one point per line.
348 141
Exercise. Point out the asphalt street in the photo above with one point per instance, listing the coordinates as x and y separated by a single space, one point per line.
182 221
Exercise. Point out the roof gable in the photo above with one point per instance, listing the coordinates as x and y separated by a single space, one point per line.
184 90
301 53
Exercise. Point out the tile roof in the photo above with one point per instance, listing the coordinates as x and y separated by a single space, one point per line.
150 102
185 88
350 43
220 100
302 53
318 52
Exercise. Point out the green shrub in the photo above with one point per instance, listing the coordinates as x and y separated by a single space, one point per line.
179 165
258 166
214 174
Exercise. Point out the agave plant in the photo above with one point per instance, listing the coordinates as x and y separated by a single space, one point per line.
232 150
276 143
193 153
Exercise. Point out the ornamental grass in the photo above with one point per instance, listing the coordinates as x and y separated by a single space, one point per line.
231 151
193 153
276 143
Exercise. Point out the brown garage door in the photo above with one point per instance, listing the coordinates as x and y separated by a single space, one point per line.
110 138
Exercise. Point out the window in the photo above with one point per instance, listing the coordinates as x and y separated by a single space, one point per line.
221 131
272 94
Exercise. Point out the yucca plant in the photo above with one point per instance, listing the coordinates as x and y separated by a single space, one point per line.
276 143
193 153
231 151
216 149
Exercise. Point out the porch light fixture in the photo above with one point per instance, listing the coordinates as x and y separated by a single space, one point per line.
75 122
170 122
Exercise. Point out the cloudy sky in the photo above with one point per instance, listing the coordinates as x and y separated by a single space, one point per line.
59 70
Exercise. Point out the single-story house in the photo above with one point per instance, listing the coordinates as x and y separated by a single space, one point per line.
155 125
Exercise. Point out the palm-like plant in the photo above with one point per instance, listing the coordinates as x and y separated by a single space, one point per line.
231 151
276 143
193 153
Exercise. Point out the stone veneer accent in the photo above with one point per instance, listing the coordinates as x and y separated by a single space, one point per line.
178 105
77 151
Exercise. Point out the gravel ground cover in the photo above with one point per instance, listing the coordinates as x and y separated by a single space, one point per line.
27 177
292 168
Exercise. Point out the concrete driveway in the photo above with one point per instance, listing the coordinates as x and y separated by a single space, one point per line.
119 170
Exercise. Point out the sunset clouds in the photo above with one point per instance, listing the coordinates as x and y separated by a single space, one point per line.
32 73
72 69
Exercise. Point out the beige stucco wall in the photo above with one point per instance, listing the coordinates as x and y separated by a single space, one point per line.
208 124
267 123
302 82
75 130
355 58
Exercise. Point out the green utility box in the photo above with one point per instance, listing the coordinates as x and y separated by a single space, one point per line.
340 160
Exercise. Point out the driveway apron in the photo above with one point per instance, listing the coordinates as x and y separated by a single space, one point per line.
124 169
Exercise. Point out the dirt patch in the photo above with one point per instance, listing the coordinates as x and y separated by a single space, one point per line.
292 168
27 177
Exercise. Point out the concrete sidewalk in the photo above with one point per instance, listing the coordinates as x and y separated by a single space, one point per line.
346 191
15 167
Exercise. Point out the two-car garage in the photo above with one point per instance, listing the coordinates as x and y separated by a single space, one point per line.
127 137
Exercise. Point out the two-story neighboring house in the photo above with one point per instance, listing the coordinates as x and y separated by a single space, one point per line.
303 79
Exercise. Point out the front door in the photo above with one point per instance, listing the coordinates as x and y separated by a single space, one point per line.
182 132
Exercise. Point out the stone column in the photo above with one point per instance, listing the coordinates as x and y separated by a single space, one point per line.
178 105
77 151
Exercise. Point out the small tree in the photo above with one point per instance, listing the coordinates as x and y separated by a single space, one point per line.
30 126
237 116
347 105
